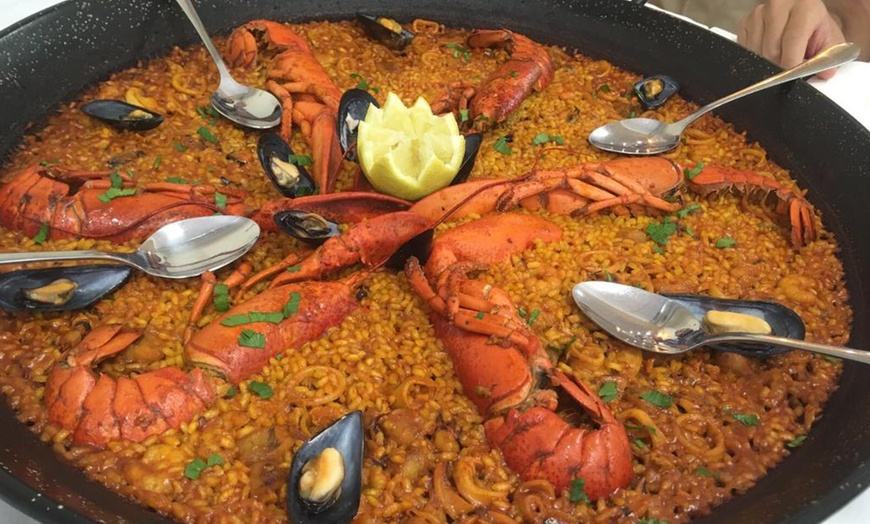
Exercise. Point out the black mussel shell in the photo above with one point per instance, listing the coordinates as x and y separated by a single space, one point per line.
123 115
94 282
346 436
386 31
306 226
653 91
290 179
472 146
783 321
351 111
418 246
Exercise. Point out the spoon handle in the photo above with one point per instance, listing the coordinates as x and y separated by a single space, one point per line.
831 57
50 256
834 351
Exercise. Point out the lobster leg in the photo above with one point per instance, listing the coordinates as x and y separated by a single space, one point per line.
206 293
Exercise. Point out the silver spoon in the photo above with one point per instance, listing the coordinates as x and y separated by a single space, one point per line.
244 105
661 325
182 249
647 136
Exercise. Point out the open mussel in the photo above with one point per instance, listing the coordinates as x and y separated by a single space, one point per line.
783 321
325 479
284 168
123 115
653 91
352 110
59 288
307 226
472 146
386 31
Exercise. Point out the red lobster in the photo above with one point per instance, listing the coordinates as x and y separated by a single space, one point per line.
528 69
75 204
308 95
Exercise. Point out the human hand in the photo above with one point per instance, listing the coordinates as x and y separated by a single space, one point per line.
789 31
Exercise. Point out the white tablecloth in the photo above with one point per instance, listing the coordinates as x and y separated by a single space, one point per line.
847 88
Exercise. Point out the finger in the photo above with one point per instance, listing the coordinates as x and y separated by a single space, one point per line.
752 29
802 25
776 19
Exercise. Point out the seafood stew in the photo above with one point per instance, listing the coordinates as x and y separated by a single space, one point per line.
485 144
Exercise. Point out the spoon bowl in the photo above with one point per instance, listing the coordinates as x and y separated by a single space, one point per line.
244 105
647 136
662 325
183 249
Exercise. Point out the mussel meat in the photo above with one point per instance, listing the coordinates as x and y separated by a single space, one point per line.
284 168
310 227
386 31
352 110
653 91
123 115
338 501
44 289
472 146
783 321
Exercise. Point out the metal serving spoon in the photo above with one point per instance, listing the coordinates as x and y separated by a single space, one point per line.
244 105
661 325
182 249
647 136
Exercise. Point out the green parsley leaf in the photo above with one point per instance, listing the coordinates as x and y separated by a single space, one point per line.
543 138
652 521
463 115
795 442
252 339
292 305
533 316
683 213
113 193
604 88
117 181
459 50
264 390
206 134
638 443
221 297
514 74
657 398
501 145
220 200
156 163
701 471
179 180
521 312
659 250
689 231
214 460
46 163
632 114
747 419
829 358
695 171
299 160
725 241
194 468
207 112
362 83
41 235
179 146
479 315
232 392
248 318
660 232
279 356
608 276
294 269
608 391
578 492
561 349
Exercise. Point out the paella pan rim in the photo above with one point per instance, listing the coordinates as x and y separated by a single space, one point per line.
82 42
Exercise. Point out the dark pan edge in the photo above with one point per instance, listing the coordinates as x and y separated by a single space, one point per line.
589 25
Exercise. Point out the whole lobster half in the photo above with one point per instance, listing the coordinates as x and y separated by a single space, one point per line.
73 204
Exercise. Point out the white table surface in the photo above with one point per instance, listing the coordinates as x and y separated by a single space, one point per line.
857 511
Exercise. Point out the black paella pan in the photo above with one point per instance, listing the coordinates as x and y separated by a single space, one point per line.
50 57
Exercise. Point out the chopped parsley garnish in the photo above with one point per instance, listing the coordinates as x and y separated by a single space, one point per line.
543 138
652 521
292 305
578 492
657 398
179 146
41 235
689 231
264 390
179 180
252 339
299 160
604 88
249 318
479 315
116 180
221 297
501 145
514 74
561 349
156 163
294 269
459 50
725 241
691 208
743 418
206 134
632 114
46 163
608 391
232 392
114 192
695 171
463 115
220 200
362 83
194 468
209 113
660 232
701 471
533 316
608 276
214 460
659 250
638 443
795 442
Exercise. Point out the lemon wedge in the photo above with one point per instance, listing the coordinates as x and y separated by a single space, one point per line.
408 152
